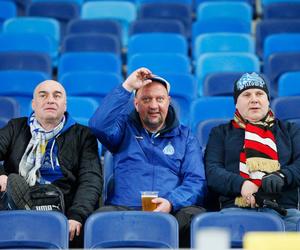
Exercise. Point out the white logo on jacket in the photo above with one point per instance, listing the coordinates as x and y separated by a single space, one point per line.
169 149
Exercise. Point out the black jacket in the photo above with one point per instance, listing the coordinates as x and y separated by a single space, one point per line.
78 158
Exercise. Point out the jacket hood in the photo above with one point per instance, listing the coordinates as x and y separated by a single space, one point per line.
171 120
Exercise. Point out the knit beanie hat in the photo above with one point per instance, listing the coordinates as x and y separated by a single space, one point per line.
249 81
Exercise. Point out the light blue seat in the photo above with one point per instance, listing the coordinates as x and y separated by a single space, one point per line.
33 229
289 84
204 128
157 43
222 42
9 108
238 223
209 63
124 12
95 85
8 10
88 61
20 85
188 2
90 42
33 61
160 62
131 229
211 108
31 42
238 10
266 2
286 107
183 92
281 43
81 108
157 25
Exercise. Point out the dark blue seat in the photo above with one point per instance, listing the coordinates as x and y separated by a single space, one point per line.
278 64
287 10
8 10
289 84
89 42
33 229
238 223
220 84
157 25
108 176
268 27
204 128
88 61
26 61
131 229
286 107
97 26
163 10
62 11
9 107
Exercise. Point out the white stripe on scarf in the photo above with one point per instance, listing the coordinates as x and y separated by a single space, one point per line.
32 158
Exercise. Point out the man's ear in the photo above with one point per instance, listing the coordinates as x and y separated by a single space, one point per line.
33 104
136 105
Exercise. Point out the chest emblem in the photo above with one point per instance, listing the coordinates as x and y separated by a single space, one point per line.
169 149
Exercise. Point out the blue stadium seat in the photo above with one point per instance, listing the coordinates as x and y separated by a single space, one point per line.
160 63
281 43
40 25
250 2
135 229
204 128
268 27
222 42
9 108
3 121
62 11
188 2
95 85
157 25
238 223
183 92
88 61
286 107
8 10
97 26
220 84
282 10
122 11
279 63
164 43
205 108
33 61
224 62
20 85
80 2
81 108
266 2
33 229
289 84
167 10
31 42
89 42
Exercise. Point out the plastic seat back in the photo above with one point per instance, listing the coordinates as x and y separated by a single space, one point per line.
34 229
9 107
131 229
286 107
289 84
238 223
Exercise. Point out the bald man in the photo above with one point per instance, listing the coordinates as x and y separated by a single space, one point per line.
49 147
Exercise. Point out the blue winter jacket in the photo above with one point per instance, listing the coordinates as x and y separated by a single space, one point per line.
222 159
170 162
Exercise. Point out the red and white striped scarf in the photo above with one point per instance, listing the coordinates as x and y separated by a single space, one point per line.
259 154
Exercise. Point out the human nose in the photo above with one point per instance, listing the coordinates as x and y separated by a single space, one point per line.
50 99
253 99
154 104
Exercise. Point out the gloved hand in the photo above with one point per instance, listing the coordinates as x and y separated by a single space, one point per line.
273 182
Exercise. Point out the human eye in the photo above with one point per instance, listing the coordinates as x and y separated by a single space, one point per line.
146 99
160 99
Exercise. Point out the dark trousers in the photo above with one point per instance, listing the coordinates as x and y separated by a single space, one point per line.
183 216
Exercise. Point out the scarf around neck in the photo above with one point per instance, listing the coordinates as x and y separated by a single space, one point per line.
259 154
32 158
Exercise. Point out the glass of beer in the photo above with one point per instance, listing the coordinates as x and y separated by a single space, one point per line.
147 197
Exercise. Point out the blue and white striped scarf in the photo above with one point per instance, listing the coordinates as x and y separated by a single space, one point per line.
32 158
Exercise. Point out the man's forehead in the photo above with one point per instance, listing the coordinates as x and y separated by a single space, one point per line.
50 86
